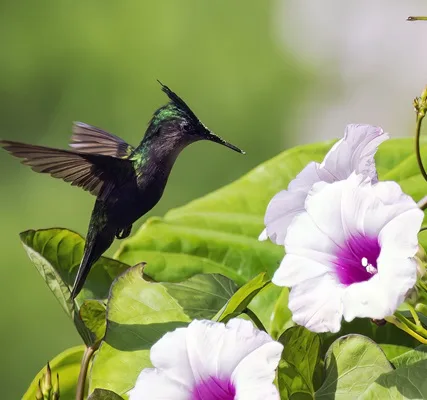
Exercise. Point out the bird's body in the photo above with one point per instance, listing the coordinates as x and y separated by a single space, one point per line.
127 181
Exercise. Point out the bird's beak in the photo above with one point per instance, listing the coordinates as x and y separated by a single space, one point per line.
214 138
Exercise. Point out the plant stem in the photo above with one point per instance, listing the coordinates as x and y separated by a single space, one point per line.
418 152
416 19
422 203
414 315
394 320
87 356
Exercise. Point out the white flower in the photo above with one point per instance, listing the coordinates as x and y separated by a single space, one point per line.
351 254
211 361
354 153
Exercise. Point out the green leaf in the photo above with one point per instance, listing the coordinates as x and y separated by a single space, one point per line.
57 253
93 315
139 313
407 382
410 357
352 364
174 253
202 296
392 340
299 364
103 394
67 365
241 299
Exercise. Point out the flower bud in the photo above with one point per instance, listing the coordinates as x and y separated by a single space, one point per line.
39 394
46 382
55 395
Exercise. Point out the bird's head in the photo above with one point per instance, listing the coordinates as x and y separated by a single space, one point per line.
176 122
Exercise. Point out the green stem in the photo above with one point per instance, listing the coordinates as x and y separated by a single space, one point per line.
416 19
422 285
87 356
416 329
393 320
414 314
417 146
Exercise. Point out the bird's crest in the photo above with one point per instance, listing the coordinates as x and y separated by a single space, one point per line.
178 102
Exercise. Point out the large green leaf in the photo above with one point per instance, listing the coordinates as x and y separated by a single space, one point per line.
202 296
352 363
67 366
403 383
299 366
139 313
57 253
407 381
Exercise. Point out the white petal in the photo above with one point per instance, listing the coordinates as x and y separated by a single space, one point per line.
316 304
306 178
253 377
381 295
215 349
354 153
285 205
390 203
367 299
399 237
308 255
263 235
170 355
155 385
324 204
282 209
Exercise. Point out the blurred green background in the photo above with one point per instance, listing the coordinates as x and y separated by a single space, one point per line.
241 67
97 62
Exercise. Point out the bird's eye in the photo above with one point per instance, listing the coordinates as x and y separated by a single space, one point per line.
185 127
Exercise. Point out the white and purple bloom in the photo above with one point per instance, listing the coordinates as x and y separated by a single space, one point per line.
354 153
351 253
211 361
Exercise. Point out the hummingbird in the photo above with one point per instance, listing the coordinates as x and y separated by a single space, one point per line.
127 181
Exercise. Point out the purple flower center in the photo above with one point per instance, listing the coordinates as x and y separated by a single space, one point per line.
214 389
356 260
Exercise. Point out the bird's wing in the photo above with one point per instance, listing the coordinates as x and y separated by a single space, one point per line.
96 173
89 139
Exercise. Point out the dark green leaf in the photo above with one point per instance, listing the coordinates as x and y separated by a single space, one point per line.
352 364
300 363
67 365
406 382
241 299
93 315
103 394
202 296
57 253
139 313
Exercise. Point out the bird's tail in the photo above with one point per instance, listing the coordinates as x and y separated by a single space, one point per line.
96 244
